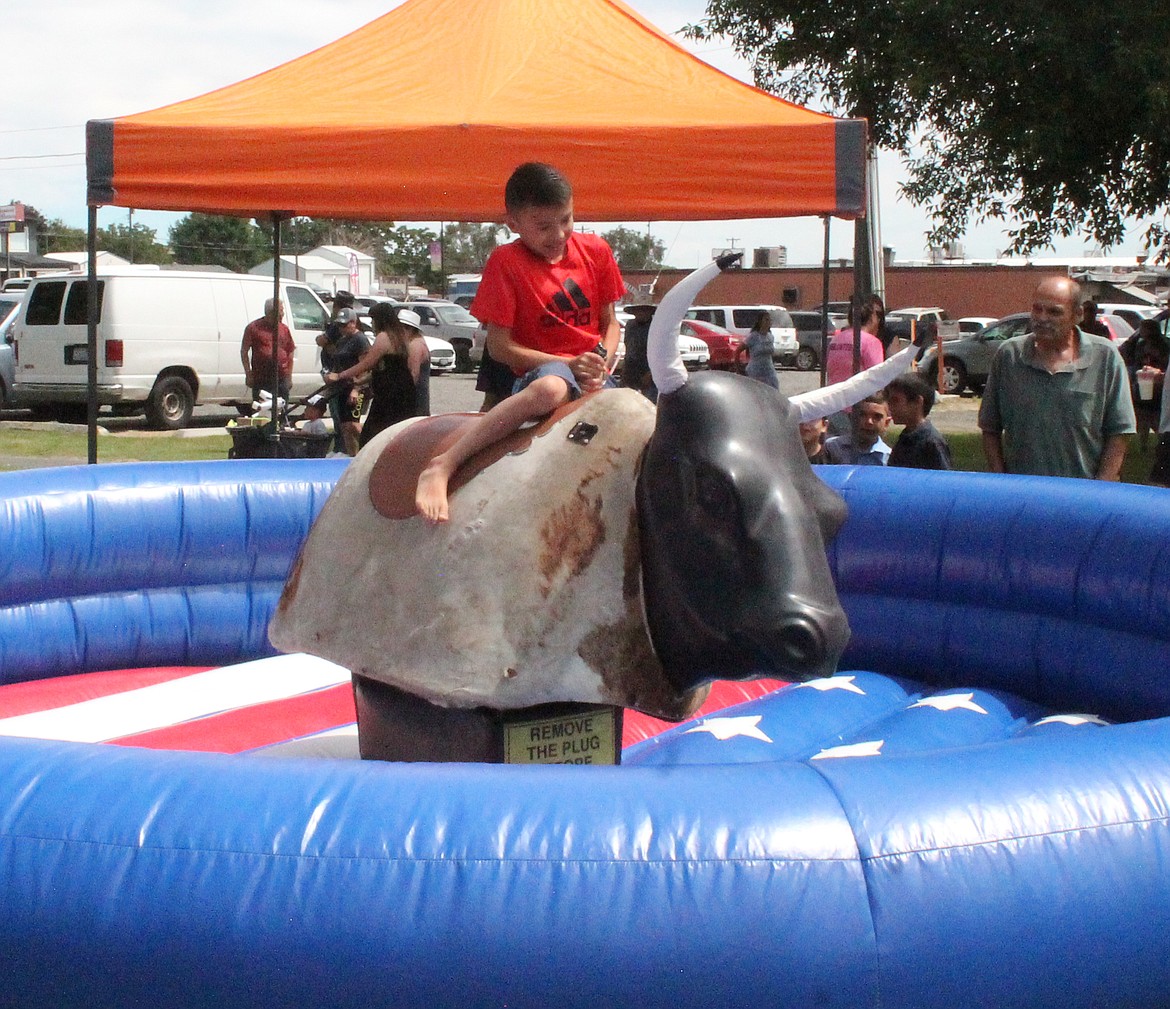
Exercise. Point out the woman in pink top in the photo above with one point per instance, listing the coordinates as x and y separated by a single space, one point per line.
839 364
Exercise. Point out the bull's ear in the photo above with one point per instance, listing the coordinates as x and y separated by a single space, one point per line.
829 508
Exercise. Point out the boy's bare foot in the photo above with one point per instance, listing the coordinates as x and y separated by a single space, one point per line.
431 496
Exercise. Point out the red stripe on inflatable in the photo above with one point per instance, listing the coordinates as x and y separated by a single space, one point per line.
272 722
57 692
255 725
724 693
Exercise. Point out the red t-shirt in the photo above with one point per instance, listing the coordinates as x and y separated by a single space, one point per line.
552 307
260 331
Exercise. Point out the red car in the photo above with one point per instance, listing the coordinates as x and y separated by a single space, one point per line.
723 344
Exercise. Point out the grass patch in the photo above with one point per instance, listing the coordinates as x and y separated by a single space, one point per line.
967 454
72 446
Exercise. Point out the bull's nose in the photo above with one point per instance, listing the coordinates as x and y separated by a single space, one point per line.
800 643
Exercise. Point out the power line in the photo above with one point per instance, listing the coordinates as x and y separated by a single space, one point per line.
42 129
28 157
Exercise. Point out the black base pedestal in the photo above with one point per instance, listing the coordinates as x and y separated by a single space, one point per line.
396 725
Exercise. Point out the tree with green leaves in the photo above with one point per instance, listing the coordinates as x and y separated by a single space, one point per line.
1055 116
212 240
635 250
136 245
407 253
466 247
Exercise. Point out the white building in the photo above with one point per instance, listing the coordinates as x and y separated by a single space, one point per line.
80 260
333 267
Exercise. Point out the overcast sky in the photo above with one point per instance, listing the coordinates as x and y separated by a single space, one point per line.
66 62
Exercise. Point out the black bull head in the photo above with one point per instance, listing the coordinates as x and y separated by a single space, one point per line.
733 526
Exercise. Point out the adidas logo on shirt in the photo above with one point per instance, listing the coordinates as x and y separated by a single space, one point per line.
569 305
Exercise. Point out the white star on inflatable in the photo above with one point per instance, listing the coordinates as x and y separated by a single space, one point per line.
1074 720
834 683
870 748
727 728
949 702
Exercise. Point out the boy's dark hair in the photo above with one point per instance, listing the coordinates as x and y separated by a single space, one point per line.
875 397
535 184
914 387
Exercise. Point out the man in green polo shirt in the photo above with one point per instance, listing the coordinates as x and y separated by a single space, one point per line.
1057 399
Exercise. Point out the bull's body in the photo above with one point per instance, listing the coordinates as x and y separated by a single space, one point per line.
529 594
533 592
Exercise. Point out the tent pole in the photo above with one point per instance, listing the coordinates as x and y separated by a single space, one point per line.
275 434
877 260
825 307
91 324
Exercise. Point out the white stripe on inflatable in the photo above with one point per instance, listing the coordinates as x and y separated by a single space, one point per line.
181 700
822 402
666 366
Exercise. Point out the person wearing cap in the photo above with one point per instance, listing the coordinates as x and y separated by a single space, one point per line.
266 352
342 299
399 366
342 346
635 366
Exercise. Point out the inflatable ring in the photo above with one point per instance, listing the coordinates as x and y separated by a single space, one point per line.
847 858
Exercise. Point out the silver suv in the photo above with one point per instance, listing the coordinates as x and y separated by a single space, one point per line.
454 324
9 305
967 360
739 319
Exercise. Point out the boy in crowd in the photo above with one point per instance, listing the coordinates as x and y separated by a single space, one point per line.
863 446
920 446
547 301
812 437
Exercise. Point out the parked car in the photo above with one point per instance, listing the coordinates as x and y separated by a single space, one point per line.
1119 328
693 351
9 306
454 324
444 357
900 321
835 308
365 302
974 323
1132 314
739 319
808 336
967 360
722 345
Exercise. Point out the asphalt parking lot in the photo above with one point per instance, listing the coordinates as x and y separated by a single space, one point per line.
450 393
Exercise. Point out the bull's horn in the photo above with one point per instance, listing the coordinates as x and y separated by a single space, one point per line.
832 398
662 354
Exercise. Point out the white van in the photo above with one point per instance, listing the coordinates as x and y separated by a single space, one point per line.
739 319
167 340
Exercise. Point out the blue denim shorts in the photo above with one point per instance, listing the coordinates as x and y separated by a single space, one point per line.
562 370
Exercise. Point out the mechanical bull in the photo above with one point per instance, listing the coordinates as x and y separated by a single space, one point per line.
612 554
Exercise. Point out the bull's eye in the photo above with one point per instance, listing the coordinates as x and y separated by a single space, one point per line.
713 495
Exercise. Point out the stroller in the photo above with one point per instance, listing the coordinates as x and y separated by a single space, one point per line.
257 440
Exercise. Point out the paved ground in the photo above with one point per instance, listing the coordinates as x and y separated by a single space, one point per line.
449 393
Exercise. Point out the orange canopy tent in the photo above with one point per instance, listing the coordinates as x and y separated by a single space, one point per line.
423 114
